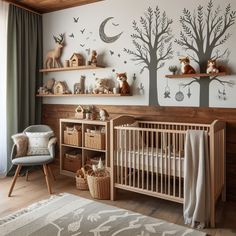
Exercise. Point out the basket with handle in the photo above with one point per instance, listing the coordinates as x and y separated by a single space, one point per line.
99 184
81 178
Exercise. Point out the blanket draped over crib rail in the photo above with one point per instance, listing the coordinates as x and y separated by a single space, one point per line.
196 179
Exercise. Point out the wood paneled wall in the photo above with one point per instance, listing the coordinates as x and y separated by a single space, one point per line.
52 113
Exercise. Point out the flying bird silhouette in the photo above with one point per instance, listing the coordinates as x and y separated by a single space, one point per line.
76 19
82 45
71 35
82 31
115 24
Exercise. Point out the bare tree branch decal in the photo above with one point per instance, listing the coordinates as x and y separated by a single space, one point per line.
203 32
152 46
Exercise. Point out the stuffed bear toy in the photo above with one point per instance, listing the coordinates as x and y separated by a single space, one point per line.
101 86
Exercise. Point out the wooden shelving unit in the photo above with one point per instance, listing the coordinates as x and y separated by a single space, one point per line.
71 68
82 95
195 75
86 152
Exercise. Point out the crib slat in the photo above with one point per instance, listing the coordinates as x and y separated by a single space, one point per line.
165 135
134 157
180 142
147 160
118 155
157 162
174 168
161 162
122 156
169 159
142 162
125 166
152 170
138 154
130 163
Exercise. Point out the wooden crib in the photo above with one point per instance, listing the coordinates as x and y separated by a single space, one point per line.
148 157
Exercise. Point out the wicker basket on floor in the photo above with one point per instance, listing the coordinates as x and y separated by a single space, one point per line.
81 178
99 184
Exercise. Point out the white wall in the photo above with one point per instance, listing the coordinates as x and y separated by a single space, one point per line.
124 12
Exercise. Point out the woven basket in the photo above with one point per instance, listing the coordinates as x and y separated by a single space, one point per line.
81 178
99 184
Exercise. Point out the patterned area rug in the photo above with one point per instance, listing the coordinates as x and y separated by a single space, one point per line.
67 214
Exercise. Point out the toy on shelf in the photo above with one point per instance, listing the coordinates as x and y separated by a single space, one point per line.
93 60
79 88
53 56
211 66
124 87
76 60
101 86
173 69
103 114
47 87
60 88
186 68
79 112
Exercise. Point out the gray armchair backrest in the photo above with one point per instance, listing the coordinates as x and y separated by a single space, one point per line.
38 128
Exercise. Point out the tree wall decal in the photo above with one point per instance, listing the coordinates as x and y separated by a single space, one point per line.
203 32
153 46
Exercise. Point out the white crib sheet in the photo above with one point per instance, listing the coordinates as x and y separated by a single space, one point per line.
152 161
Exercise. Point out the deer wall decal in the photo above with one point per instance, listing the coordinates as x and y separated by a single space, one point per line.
53 56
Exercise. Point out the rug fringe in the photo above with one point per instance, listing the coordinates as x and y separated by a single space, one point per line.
30 208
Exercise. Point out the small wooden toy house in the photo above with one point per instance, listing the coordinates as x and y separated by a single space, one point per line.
59 87
76 60
79 112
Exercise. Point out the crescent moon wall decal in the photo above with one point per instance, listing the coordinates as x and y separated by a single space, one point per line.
103 35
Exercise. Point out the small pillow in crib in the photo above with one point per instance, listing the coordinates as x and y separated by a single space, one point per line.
21 142
38 143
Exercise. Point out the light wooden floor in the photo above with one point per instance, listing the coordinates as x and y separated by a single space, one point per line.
26 193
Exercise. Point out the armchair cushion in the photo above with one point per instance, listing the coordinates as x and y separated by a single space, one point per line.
21 142
38 143
32 160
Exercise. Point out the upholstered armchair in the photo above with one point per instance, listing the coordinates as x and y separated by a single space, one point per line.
40 150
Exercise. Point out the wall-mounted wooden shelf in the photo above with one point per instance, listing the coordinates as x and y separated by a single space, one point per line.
195 75
82 95
71 68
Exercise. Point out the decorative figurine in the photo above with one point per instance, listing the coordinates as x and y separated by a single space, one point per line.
124 86
53 56
103 114
101 86
173 69
211 66
186 68
93 60
76 60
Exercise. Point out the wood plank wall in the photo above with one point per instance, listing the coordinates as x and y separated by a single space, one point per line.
52 113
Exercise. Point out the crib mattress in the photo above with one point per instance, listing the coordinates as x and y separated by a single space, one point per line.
151 161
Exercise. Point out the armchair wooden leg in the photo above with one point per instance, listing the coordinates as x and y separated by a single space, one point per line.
51 173
27 175
45 168
14 179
